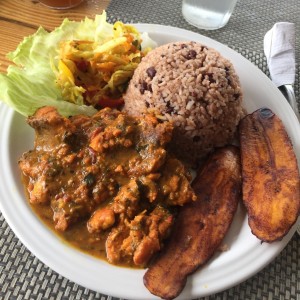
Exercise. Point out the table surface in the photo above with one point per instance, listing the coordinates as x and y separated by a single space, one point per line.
22 275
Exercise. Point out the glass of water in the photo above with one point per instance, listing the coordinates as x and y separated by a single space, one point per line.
61 4
207 14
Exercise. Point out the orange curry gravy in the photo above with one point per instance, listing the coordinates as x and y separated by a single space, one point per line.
77 236
106 183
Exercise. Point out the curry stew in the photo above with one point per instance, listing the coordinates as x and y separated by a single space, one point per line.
106 183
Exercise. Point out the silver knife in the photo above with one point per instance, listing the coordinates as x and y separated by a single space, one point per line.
279 48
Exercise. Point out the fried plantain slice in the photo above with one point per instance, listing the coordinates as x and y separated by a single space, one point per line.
270 175
200 226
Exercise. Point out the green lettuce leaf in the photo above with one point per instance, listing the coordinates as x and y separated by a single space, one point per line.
30 82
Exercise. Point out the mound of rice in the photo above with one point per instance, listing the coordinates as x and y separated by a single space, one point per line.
194 87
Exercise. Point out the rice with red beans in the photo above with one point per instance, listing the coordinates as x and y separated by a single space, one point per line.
194 87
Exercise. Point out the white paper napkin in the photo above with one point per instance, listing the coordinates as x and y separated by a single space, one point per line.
279 48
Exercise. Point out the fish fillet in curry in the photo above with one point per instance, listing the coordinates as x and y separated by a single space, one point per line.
271 186
200 225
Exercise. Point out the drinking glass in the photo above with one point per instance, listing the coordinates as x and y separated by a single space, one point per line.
208 14
61 4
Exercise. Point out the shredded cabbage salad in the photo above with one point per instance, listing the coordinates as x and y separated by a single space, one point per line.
78 67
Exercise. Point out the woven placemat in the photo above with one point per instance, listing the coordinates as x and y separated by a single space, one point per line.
23 276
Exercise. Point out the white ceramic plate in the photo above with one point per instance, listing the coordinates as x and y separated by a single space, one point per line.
246 254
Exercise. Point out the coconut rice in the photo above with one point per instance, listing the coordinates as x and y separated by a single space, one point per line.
194 87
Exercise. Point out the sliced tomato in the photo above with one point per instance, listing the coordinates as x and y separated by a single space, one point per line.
112 103
82 65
